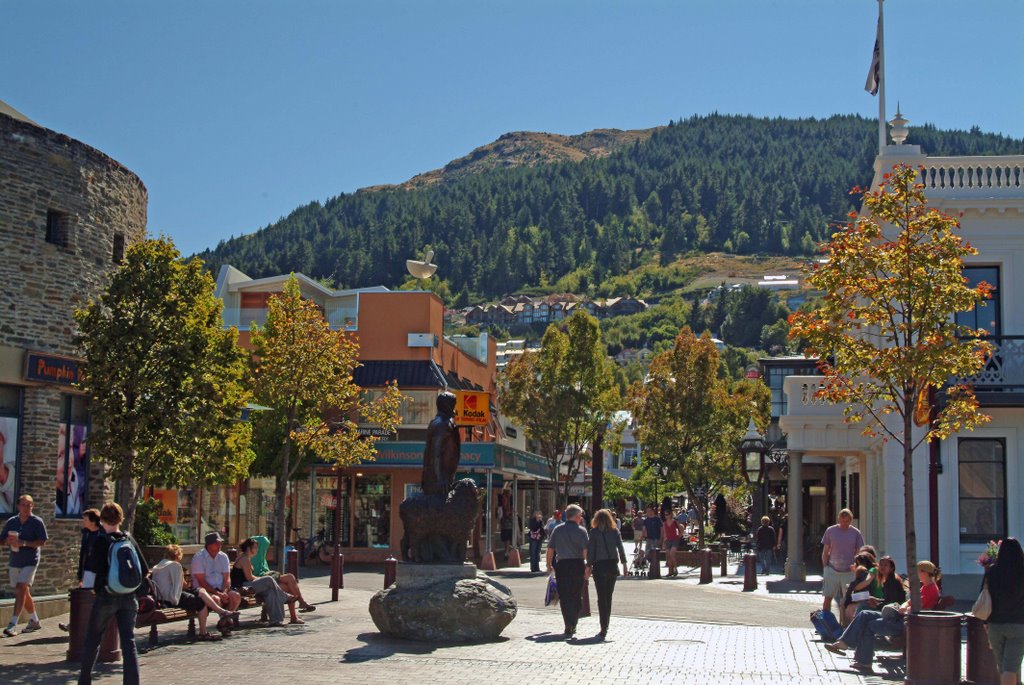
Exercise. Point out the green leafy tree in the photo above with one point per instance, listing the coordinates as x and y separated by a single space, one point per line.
893 282
165 379
304 373
689 418
564 395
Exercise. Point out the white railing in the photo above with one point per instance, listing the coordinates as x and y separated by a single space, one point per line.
980 176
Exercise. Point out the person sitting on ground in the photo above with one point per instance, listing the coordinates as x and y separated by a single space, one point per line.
265 587
167 580
864 574
287 581
211 571
860 634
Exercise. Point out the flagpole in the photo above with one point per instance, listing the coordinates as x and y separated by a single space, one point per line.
881 79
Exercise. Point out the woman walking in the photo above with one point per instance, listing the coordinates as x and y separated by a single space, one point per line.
604 551
1006 622
536 526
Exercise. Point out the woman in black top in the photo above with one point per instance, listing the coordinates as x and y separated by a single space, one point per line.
603 551
1005 581
536 526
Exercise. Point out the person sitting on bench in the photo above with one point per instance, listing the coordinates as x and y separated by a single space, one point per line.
211 570
860 634
167 579
287 581
265 587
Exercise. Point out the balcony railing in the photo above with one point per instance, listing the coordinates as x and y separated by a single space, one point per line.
1004 368
980 176
343 318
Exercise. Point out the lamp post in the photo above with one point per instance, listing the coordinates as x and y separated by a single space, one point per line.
752 450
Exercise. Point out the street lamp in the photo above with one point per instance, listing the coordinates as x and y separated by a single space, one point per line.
752 450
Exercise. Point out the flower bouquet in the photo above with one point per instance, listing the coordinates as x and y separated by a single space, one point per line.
991 553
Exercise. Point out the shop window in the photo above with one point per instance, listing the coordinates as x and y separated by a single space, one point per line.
982 474
10 432
372 509
72 476
326 507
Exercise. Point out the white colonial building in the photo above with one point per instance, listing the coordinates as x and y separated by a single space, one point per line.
970 488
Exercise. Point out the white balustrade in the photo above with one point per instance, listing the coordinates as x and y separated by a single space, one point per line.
980 176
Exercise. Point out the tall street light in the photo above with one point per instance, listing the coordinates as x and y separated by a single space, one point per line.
752 449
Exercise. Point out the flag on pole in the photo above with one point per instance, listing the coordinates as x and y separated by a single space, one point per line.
875 71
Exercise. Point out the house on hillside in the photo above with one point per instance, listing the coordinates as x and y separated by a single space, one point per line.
969 488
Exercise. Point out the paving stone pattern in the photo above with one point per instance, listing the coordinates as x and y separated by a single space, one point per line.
340 645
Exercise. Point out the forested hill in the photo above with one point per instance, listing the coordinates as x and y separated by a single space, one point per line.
729 183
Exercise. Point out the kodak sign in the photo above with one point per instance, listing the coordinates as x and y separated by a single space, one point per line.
472 408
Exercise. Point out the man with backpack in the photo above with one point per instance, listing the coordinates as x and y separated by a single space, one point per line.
120 570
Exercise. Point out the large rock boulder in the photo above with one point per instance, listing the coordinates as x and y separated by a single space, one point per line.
443 603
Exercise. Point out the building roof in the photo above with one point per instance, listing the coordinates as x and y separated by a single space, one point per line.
14 114
408 374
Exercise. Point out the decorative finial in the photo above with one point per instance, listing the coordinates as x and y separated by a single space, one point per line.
899 130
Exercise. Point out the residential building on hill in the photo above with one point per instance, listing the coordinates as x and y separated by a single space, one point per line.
524 310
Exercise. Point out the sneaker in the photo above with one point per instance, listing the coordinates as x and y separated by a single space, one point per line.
9 631
32 627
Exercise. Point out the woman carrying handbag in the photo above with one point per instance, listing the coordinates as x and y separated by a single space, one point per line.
604 551
1003 581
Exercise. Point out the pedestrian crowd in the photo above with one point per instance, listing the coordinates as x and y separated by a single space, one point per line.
113 566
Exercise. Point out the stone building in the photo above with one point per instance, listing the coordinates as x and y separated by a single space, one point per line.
67 212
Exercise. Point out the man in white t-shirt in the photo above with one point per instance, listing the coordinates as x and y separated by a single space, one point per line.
211 571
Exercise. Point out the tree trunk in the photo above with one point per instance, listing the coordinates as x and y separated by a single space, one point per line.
908 514
280 534
126 494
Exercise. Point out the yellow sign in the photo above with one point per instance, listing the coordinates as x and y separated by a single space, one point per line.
472 408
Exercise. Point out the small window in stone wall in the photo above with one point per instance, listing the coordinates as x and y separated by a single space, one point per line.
58 228
118 248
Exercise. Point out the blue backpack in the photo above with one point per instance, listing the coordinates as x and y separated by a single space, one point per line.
124 572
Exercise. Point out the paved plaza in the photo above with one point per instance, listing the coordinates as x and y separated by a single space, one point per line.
662 631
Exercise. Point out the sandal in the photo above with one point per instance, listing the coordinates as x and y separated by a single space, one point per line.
307 608
297 622
208 637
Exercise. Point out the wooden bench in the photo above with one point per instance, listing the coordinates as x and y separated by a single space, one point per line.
157 617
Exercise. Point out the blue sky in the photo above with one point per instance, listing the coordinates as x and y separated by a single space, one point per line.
234 113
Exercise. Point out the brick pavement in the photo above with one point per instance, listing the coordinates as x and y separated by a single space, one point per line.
340 645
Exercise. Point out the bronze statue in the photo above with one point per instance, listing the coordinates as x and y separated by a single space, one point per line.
442 449
437 523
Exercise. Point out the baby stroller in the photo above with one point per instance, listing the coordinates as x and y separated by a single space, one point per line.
638 567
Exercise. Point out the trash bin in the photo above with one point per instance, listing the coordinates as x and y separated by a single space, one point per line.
981 663
81 601
933 648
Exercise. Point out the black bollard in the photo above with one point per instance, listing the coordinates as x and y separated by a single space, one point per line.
749 572
390 570
655 570
293 563
724 560
705 566
337 573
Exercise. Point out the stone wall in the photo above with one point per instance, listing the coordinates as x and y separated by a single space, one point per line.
95 199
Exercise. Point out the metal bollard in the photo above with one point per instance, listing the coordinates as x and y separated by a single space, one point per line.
655 569
724 559
390 570
337 573
293 563
749 572
705 566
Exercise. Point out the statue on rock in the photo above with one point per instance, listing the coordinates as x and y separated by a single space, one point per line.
439 521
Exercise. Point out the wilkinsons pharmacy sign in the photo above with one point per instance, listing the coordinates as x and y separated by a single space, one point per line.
48 368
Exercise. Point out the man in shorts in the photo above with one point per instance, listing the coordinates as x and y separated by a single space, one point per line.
24 534
839 546
652 532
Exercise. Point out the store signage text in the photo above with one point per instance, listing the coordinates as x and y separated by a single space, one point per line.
472 408
47 368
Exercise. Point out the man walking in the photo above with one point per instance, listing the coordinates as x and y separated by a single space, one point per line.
25 534
109 605
839 546
569 542
652 533
765 545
